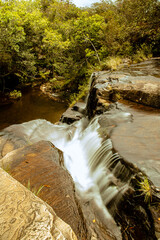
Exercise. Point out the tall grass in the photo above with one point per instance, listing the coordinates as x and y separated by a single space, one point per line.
111 63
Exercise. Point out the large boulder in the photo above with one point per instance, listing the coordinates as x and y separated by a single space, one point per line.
24 216
107 88
141 133
142 89
40 168
74 113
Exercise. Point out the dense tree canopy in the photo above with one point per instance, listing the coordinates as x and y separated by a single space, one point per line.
44 40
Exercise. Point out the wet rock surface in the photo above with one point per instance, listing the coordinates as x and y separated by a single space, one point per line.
71 115
138 141
10 142
40 168
111 87
138 212
139 83
134 131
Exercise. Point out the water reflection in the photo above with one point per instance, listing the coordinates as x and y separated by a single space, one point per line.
33 105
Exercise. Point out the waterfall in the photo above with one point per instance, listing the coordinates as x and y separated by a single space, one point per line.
98 173
102 178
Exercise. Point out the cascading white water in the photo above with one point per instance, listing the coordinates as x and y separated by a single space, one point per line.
88 157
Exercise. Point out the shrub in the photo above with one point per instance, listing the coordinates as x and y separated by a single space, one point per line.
111 63
146 190
15 94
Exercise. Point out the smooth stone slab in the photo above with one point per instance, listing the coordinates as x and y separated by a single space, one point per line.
24 216
139 141
37 166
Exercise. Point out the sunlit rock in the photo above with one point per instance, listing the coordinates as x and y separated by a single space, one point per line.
25 216
37 167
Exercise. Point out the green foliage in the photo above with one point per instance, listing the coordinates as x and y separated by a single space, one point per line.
83 90
111 63
42 39
142 54
146 190
15 94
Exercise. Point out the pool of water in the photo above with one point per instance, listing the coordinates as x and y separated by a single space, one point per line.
33 105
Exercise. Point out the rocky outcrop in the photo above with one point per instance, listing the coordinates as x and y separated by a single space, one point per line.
143 89
74 113
107 90
137 84
133 141
24 216
37 167
111 87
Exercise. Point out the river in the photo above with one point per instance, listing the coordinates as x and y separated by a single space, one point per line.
33 105
99 159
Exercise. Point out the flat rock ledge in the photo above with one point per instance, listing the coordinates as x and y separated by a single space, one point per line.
74 113
107 88
24 216
132 139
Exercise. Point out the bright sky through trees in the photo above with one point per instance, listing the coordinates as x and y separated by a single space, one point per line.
84 3
60 43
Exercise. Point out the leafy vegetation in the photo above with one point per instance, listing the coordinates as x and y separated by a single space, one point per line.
15 94
146 190
45 40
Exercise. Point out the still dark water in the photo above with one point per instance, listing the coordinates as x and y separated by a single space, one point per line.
33 105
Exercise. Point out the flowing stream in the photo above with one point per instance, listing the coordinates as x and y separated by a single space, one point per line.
97 170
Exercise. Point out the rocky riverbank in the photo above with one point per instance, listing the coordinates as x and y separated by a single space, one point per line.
137 141
40 165
28 155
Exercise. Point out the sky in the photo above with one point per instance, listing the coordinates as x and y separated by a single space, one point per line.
84 3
